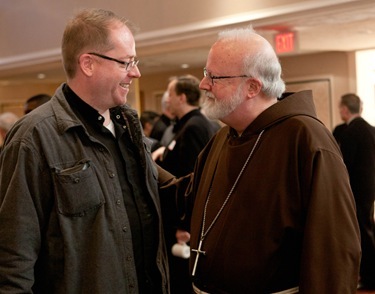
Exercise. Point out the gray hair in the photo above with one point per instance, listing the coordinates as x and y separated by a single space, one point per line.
263 65
352 102
164 101
7 120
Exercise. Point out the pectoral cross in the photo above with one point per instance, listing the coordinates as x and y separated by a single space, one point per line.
198 251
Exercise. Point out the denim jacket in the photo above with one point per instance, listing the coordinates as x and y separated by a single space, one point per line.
63 224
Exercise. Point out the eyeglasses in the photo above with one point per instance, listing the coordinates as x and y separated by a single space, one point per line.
127 65
213 78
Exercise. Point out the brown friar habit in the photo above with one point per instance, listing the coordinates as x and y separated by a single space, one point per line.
291 219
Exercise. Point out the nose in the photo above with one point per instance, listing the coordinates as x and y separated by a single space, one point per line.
204 84
134 72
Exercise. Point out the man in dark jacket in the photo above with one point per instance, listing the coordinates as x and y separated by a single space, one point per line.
80 210
192 132
357 143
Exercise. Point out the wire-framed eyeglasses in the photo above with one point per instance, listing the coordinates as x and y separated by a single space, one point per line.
127 65
213 78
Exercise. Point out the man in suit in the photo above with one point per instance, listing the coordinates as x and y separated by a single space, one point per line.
357 143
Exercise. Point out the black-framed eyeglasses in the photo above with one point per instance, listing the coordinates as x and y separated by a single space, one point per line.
213 78
126 64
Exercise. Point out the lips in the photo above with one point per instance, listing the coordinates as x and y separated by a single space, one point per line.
210 95
125 85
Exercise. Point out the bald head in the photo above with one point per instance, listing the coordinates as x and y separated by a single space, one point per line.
247 37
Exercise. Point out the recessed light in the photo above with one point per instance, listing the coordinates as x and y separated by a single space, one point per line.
41 76
366 32
185 65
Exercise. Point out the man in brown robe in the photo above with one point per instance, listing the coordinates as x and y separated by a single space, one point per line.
273 208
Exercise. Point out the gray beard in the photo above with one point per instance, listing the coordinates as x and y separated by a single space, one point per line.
217 110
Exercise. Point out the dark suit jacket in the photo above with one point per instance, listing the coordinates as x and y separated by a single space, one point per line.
338 132
358 149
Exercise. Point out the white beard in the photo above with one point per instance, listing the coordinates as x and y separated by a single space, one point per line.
215 109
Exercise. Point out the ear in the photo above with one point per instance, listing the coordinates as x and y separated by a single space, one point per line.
86 64
182 98
254 86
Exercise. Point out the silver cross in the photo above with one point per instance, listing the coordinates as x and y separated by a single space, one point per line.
198 251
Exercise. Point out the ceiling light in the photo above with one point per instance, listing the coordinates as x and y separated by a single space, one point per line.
366 32
41 76
185 65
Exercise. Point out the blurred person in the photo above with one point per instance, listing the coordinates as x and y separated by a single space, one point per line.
35 101
7 120
273 209
191 132
164 120
148 119
357 143
169 131
80 210
166 138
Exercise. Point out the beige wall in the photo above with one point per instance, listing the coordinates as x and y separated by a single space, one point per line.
12 97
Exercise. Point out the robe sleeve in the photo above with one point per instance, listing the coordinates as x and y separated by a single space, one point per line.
331 250
175 194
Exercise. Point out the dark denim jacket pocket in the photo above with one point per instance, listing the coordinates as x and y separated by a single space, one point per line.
77 189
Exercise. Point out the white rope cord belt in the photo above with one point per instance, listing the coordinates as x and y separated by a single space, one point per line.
287 291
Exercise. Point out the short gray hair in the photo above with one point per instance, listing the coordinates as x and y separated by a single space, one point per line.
352 102
263 65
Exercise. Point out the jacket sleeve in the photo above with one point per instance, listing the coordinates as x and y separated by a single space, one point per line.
175 194
21 216
331 250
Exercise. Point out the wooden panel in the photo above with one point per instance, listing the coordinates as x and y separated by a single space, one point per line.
321 89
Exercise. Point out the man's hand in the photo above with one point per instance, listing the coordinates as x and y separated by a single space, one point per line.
182 236
158 154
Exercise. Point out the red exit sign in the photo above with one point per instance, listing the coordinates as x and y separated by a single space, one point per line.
285 42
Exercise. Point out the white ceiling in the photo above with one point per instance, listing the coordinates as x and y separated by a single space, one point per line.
341 25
